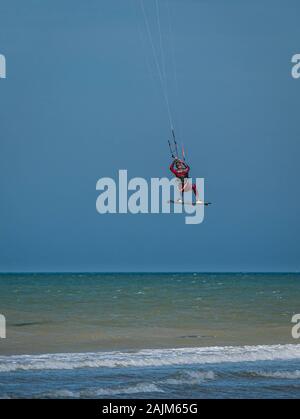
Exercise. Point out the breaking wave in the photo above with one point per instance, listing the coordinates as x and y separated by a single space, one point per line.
288 375
189 377
98 392
149 358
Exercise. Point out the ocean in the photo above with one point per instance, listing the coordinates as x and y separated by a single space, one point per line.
149 336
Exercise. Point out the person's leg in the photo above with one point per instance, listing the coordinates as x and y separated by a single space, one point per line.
182 189
195 192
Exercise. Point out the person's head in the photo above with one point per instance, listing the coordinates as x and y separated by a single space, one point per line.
179 164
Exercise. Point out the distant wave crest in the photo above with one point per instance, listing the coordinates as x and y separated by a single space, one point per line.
288 375
189 377
99 392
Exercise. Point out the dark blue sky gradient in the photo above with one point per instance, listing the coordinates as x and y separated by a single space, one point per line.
79 103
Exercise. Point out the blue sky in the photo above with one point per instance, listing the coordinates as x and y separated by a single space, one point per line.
80 103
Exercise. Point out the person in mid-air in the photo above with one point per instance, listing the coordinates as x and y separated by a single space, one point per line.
181 170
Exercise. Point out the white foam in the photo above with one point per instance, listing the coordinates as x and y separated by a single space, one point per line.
98 392
288 375
139 388
63 394
150 358
189 377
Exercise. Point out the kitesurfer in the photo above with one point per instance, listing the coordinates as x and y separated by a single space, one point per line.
181 170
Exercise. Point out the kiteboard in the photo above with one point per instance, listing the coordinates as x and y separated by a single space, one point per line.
188 203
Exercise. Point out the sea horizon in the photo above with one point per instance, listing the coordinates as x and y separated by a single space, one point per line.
149 272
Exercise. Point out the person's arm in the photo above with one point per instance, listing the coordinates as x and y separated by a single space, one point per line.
172 168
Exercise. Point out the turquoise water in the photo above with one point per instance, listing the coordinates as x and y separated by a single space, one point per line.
149 335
